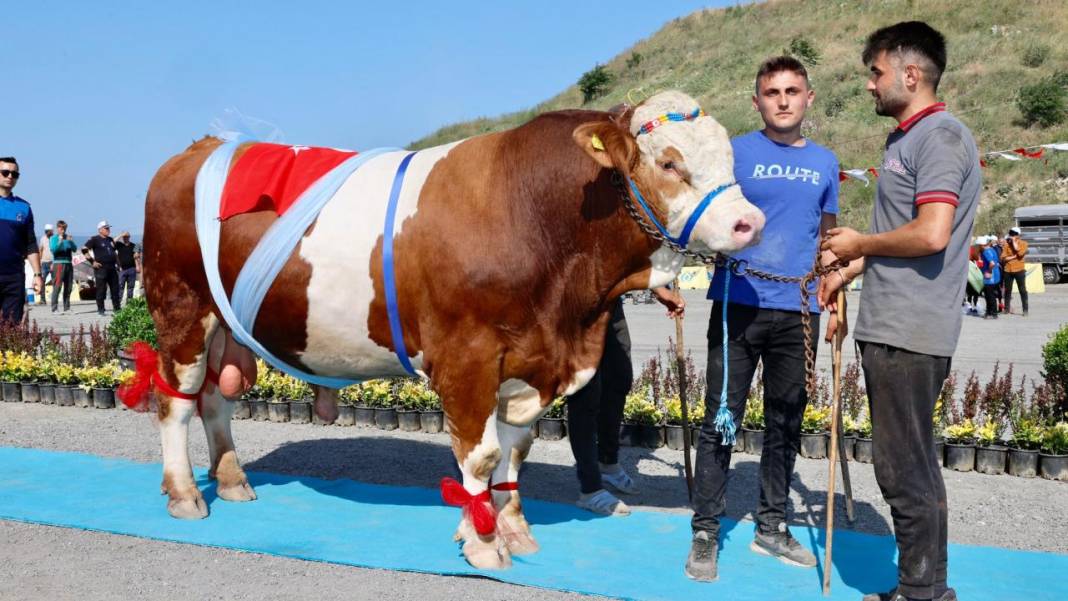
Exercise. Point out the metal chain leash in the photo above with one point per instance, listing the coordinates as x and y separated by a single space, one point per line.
741 267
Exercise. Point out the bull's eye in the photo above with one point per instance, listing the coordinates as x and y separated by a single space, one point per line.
669 166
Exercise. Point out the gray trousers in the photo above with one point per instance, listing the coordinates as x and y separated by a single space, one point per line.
902 389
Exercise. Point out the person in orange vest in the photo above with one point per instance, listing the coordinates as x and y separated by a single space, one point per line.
1013 252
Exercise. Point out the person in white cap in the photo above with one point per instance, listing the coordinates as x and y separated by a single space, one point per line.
1012 257
44 248
100 249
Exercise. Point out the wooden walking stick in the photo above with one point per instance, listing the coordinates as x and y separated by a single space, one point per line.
680 361
836 408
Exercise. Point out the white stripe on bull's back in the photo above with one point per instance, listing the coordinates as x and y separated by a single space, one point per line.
339 252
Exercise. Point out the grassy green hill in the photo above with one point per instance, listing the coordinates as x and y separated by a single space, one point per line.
995 48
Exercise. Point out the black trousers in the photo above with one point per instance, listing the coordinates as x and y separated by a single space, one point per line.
107 277
902 389
12 298
990 294
1020 279
62 277
595 412
777 339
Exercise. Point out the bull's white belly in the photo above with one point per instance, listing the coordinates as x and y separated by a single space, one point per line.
339 252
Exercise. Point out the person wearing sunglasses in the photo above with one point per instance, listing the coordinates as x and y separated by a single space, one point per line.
18 244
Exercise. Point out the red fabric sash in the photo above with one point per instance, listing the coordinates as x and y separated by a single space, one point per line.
477 508
273 176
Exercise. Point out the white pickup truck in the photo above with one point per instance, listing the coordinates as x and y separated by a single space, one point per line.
1045 229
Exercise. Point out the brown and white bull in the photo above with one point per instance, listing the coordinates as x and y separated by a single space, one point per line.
510 249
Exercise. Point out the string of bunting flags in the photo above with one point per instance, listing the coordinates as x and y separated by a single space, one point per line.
1015 154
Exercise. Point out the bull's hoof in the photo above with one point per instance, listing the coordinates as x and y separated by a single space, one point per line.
487 554
189 508
515 532
239 492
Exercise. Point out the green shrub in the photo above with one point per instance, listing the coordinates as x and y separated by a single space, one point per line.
594 83
1034 55
131 323
557 409
1055 440
639 409
1044 103
804 50
634 59
1055 359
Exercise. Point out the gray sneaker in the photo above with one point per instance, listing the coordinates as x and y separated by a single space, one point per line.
949 595
783 545
701 564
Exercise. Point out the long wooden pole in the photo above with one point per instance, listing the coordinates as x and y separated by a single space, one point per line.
680 362
836 405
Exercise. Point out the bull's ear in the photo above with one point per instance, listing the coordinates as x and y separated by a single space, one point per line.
607 143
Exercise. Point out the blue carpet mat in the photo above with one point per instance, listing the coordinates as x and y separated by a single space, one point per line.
401 528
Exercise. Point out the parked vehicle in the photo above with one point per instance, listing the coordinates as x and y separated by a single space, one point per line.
1045 229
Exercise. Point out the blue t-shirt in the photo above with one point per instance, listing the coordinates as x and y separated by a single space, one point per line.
991 258
793 186
16 236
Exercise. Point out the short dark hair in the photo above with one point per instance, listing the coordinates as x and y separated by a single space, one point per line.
910 37
8 160
776 64
61 223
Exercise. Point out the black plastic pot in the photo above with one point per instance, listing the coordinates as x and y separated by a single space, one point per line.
386 418
1053 467
814 446
48 393
551 428
242 410
259 409
409 420
31 392
432 421
940 449
849 443
126 361
1023 463
647 436
960 457
300 412
81 397
365 416
278 412
64 395
104 398
12 392
676 436
346 415
862 450
754 441
695 435
991 459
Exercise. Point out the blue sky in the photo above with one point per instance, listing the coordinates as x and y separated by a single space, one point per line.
98 95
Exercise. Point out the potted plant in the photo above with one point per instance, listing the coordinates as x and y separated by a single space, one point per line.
277 405
1024 444
262 390
640 411
46 376
83 390
990 454
409 397
296 393
29 377
674 430
100 382
431 415
10 370
66 380
862 450
1053 460
378 394
551 426
346 405
363 409
814 431
753 426
960 446
697 418
849 435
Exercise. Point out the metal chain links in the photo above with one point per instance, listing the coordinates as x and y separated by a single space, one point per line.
740 267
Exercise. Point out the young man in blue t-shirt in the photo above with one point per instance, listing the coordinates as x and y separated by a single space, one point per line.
795 183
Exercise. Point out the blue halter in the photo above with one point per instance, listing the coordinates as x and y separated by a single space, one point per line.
684 237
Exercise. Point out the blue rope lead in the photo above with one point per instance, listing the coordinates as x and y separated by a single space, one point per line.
724 419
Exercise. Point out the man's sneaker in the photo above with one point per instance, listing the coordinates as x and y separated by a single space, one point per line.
603 503
949 595
618 479
783 545
701 563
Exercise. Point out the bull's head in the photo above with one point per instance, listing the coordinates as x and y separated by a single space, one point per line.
679 163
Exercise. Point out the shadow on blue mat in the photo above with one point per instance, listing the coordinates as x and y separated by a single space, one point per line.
406 528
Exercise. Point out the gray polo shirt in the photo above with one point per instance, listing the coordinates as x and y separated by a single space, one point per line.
915 303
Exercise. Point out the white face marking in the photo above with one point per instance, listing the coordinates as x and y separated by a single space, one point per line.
582 377
518 403
487 446
708 157
339 252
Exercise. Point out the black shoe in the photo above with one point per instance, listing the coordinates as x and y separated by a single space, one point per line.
100 311
949 595
701 563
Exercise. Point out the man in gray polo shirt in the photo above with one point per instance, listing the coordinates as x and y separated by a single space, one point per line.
914 262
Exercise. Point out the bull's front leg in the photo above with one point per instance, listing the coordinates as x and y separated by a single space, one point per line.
512 525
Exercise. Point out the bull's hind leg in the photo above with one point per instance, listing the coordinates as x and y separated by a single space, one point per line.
237 372
512 525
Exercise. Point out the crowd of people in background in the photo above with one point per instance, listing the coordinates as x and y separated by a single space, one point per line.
116 264
997 265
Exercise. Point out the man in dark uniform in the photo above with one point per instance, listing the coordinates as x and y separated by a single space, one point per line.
18 244
101 250
129 264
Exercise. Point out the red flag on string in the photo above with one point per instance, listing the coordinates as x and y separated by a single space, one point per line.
1031 155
